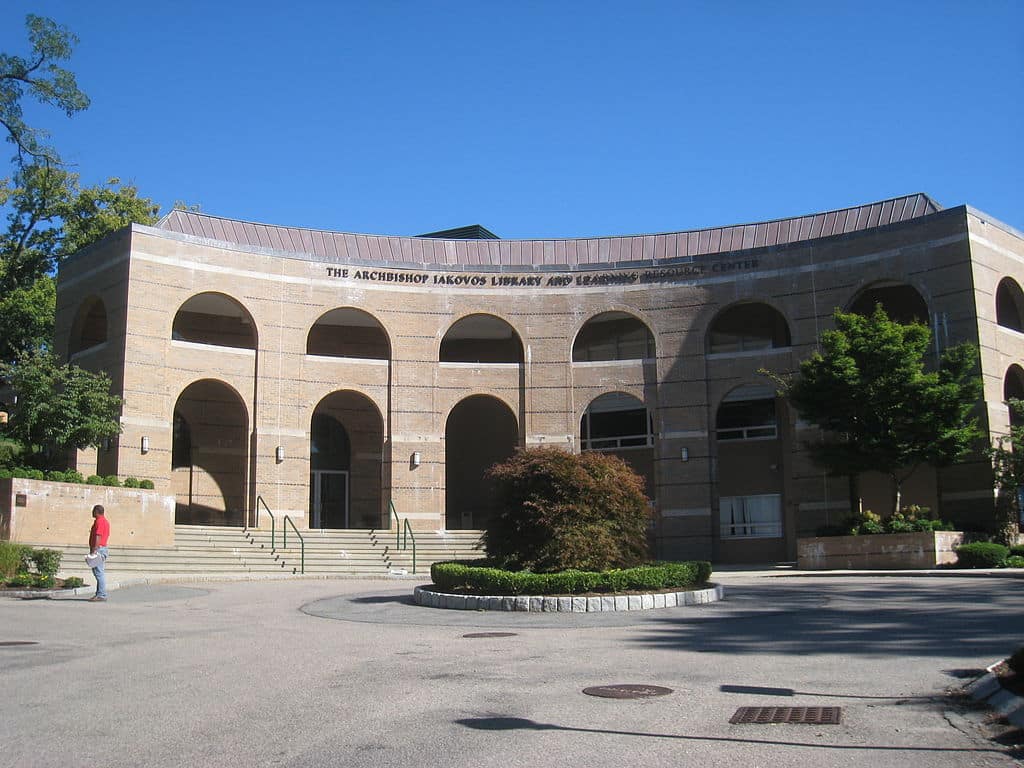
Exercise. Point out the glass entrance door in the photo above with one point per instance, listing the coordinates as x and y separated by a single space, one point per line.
328 503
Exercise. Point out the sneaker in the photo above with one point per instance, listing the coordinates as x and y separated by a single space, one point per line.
97 599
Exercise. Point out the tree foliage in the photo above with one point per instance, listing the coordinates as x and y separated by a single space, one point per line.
881 410
38 77
50 216
567 511
59 407
1008 471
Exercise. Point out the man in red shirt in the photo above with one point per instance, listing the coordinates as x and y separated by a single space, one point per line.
98 536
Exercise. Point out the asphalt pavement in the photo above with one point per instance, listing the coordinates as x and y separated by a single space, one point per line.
351 673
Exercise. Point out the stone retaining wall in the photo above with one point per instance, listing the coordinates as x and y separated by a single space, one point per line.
48 513
535 603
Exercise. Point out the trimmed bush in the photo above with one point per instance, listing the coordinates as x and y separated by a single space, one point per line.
146 484
73 582
560 511
22 580
131 482
14 558
981 554
46 561
94 480
480 577
1014 561
1017 549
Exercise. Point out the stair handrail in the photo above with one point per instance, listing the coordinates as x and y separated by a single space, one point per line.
403 532
411 535
302 542
273 521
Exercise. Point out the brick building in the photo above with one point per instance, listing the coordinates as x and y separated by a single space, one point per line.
327 374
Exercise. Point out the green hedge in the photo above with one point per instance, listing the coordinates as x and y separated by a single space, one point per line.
981 554
71 476
477 576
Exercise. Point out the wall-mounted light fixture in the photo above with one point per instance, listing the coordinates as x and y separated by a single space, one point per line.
145 444
415 460
685 454
279 454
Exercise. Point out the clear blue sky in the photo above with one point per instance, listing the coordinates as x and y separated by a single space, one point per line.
543 119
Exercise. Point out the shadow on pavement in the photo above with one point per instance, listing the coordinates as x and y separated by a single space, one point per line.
522 723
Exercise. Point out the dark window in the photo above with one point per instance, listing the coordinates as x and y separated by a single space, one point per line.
615 421
746 420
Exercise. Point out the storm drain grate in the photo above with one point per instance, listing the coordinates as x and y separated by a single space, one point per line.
627 691
797 715
8 643
490 634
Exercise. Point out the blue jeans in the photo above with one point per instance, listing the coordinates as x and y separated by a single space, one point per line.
100 573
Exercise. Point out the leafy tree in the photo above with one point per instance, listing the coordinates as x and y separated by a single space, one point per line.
50 216
880 409
1008 469
567 511
26 317
38 76
59 407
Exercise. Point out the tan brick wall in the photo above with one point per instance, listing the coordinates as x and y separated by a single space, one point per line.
949 258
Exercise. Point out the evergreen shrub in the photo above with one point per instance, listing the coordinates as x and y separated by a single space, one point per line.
981 554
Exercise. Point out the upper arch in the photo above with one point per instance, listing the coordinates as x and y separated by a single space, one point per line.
901 301
348 332
481 338
613 335
1010 304
215 318
90 326
747 326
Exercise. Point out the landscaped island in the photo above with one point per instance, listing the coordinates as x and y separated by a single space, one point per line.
571 535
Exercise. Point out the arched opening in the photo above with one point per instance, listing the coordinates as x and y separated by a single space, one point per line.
348 332
346 447
620 423
749 474
480 432
900 301
1013 389
748 327
213 318
613 336
1009 304
90 326
481 339
209 455
747 413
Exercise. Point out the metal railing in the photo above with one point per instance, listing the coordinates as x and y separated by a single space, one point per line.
302 541
273 521
403 533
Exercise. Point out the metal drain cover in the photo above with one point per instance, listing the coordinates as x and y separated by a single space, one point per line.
8 643
627 691
797 715
491 634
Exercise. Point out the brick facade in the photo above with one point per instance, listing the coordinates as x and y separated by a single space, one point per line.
378 366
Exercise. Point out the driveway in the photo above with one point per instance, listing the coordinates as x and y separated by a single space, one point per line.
350 673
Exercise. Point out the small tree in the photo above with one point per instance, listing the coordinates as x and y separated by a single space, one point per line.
1008 470
880 409
59 407
560 510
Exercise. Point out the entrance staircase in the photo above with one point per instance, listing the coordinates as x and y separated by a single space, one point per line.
217 552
